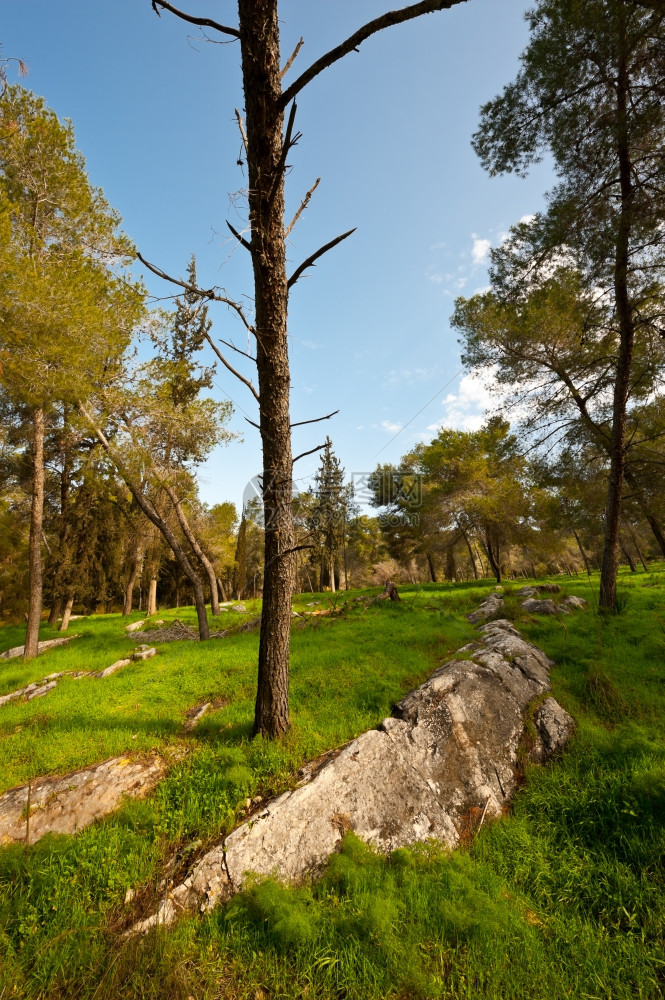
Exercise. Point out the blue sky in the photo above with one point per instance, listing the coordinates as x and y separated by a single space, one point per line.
387 130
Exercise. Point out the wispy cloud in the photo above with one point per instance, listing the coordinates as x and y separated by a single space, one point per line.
311 345
390 427
479 250
466 409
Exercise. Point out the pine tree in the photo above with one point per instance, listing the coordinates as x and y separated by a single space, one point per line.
329 514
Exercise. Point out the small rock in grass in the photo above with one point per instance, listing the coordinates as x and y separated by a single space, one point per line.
135 626
239 607
144 654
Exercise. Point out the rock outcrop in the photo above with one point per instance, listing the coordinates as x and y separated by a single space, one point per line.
490 607
11 654
449 752
65 805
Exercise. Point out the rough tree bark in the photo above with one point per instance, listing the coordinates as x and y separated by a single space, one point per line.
267 146
610 561
35 543
67 614
152 597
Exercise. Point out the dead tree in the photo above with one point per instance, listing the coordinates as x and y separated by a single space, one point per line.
268 135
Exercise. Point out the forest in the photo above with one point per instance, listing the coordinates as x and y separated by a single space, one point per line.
277 631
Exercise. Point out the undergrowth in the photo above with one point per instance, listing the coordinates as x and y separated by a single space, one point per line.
565 897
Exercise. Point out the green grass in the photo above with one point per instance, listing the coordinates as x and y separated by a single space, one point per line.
564 898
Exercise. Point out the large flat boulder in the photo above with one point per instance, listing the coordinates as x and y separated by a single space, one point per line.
449 751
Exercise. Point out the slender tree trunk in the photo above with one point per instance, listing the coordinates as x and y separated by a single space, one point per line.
56 611
131 582
152 597
473 561
638 550
451 568
582 552
35 543
432 571
332 574
610 562
67 613
656 531
194 542
261 69
493 559
222 591
627 556
162 525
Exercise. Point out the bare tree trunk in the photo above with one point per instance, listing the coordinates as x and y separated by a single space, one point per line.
152 597
473 561
261 69
451 568
627 556
332 574
155 518
35 543
582 552
67 613
221 589
194 542
638 550
56 611
430 563
610 562
656 530
131 582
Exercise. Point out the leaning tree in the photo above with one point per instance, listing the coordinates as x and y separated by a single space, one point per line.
269 134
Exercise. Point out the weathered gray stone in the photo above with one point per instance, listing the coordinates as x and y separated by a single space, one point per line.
11 654
239 608
450 750
575 602
118 665
546 607
134 626
554 726
490 606
144 654
68 804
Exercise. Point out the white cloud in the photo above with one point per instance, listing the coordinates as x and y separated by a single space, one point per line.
480 250
465 410
528 218
390 427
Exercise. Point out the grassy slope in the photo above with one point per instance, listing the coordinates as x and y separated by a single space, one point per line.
564 898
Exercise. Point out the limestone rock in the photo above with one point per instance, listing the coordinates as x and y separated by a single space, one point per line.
68 804
450 750
240 608
554 726
575 602
134 626
11 654
118 665
145 653
546 607
490 606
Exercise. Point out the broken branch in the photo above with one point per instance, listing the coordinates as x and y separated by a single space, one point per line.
204 22
316 420
303 205
243 134
237 350
315 256
203 293
310 452
386 20
239 238
230 367
291 61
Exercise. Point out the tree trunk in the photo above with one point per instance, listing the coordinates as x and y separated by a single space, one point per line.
131 582
639 552
332 574
194 542
56 611
657 533
628 557
451 568
155 518
432 571
261 69
66 615
35 543
152 597
473 561
493 559
582 552
222 591
610 561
